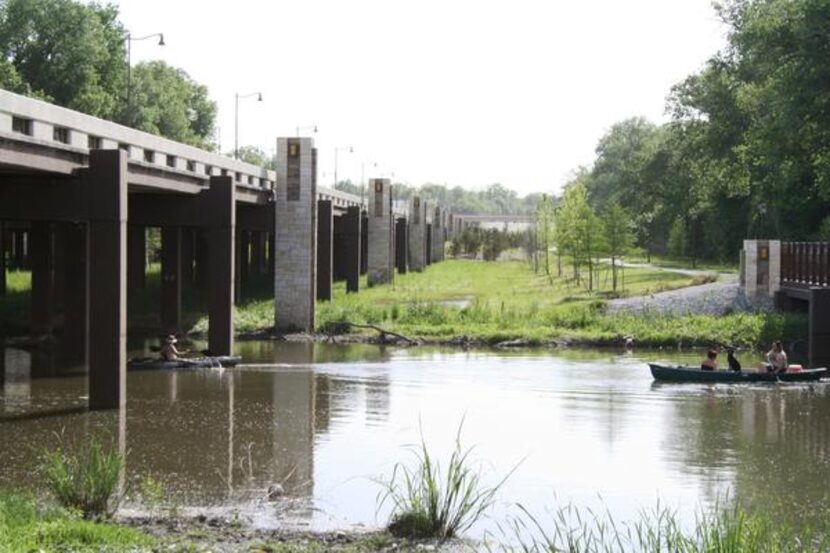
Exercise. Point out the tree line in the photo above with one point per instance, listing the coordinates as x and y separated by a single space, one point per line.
73 54
746 153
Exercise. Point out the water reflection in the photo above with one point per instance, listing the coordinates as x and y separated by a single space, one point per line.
322 419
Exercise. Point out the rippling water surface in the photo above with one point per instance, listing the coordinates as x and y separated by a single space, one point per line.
324 421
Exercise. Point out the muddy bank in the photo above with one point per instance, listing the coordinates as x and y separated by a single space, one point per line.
226 535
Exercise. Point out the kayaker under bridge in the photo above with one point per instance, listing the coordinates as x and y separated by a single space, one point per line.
797 276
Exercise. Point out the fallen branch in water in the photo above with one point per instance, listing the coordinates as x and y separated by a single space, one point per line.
343 326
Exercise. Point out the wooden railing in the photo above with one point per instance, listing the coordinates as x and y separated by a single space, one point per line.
805 263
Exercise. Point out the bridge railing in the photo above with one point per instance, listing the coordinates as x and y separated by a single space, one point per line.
40 123
805 263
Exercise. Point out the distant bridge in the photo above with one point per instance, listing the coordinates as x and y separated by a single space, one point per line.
505 222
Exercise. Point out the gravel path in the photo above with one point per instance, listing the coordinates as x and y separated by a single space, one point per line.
715 298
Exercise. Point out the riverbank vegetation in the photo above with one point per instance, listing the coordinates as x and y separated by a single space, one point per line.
742 156
505 301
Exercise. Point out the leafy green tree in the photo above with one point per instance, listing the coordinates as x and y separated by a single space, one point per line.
545 228
69 52
579 229
618 236
253 155
166 101
677 238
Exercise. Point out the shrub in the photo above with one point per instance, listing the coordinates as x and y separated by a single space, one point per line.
84 477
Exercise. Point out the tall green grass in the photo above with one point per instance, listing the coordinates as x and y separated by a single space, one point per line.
658 530
84 477
430 502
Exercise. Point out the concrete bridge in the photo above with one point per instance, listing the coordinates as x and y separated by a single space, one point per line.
77 194
796 275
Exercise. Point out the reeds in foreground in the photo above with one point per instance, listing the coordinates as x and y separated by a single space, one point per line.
658 530
84 477
430 502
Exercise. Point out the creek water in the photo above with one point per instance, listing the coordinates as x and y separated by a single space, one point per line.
582 427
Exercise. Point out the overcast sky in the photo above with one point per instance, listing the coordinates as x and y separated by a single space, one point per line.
456 92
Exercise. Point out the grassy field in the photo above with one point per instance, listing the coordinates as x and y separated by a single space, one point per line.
494 302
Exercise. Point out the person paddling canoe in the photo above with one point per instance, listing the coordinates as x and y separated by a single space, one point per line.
169 351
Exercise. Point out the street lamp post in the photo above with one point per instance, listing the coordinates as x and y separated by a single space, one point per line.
236 119
130 39
337 151
312 128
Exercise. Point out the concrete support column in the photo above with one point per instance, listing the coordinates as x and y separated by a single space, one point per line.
364 243
171 279
437 235
188 251
136 256
257 253
819 353
325 253
338 246
295 232
43 267
2 262
20 249
417 233
201 260
428 245
107 185
74 339
353 238
237 277
761 271
220 202
269 254
380 232
245 258
401 245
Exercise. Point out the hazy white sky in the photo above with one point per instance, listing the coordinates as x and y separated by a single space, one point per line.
459 92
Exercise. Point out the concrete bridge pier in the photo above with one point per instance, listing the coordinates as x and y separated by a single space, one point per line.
200 260
171 279
381 232
347 242
74 343
295 231
188 253
136 257
19 252
416 234
258 241
42 256
428 245
3 250
437 236
364 242
106 182
325 249
220 203
401 245
354 252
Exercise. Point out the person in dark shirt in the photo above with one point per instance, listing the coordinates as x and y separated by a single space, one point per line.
734 364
